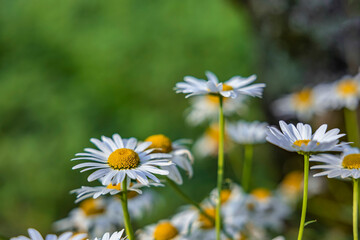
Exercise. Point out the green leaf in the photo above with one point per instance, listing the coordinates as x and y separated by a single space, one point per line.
310 222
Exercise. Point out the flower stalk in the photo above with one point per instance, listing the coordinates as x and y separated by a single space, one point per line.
352 127
305 193
355 208
248 152
123 197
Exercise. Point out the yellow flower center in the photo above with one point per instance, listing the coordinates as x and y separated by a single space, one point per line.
205 222
293 181
301 142
303 99
91 207
227 87
261 194
130 194
351 161
213 99
123 158
161 142
225 195
347 87
165 231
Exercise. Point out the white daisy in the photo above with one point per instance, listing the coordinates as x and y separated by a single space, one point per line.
300 138
234 87
35 235
172 229
179 155
345 165
247 132
119 158
302 104
206 108
267 210
344 93
95 192
93 216
113 236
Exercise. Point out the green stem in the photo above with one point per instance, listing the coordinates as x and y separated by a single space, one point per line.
304 204
247 167
128 227
352 128
220 172
355 209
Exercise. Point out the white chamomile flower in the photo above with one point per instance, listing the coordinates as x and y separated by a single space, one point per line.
344 93
300 138
118 158
111 189
266 209
180 156
172 229
247 132
35 235
113 236
302 104
234 87
206 108
345 165
92 216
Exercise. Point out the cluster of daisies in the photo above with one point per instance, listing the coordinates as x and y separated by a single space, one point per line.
126 170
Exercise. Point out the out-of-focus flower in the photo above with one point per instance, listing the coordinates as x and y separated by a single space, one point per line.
300 138
234 87
302 104
346 165
119 158
267 210
92 216
111 189
172 229
206 108
179 155
247 132
344 93
35 235
207 144
113 236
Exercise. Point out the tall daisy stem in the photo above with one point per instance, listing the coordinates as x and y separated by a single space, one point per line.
247 167
352 127
355 209
305 193
128 227
220 172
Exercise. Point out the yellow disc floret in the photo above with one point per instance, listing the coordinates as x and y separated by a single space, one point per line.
301 142
351 161
123 158
226 87
165 231
225 195
293 182
303 99
91 207
205 222
347 87
130 194
162 143
261 194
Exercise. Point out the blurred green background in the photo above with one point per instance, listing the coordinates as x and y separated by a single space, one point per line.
72 70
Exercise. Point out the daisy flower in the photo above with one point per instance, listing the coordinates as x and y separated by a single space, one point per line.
206 108
234 87
35 235
345 165
247 132
302 104
179 155
114 236
119 158
344 93
300 138
95 192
